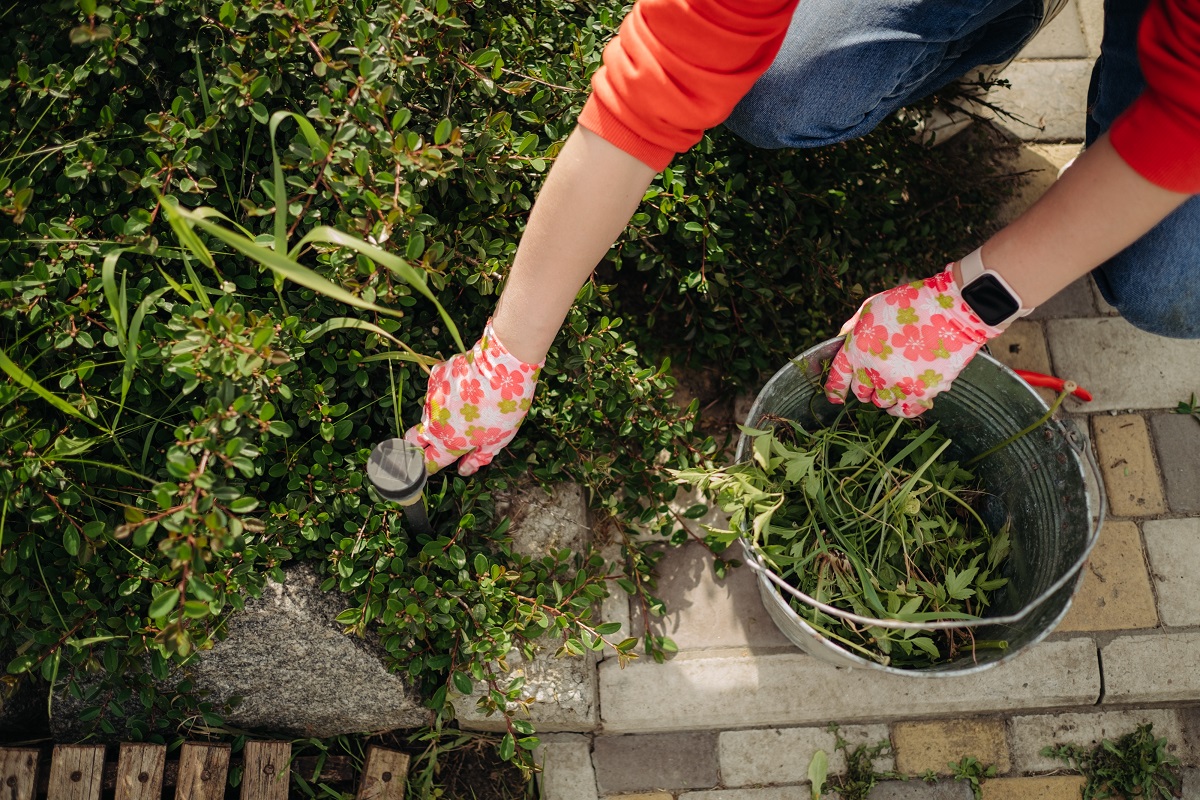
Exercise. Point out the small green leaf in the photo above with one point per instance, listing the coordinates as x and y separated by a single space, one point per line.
164 603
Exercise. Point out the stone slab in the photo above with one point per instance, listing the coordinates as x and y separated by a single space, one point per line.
723 689
1023 346
1173 547
782 755
1091 17
1038 164
1152 668
931 746
642 796
1125 368
1191 782
1048 99
799 792
706 612
663 761
920 790
1177 443
1116 592
564 690
1028 735
566 768
615 607
1078 300
1127 464
1061 38
1058 787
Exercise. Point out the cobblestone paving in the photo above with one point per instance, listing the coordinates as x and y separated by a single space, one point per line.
739 712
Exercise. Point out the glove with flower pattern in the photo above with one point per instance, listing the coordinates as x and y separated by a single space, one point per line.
473 406
906 345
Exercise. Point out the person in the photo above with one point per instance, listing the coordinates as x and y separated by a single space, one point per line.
782 74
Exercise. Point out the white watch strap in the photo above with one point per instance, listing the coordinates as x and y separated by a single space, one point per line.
971 266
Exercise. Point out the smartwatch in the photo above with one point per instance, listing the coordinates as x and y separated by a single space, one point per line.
988 294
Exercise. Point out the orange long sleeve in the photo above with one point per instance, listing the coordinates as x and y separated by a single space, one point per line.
1159 135
677 68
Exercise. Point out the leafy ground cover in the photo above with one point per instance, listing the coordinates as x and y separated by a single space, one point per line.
174 429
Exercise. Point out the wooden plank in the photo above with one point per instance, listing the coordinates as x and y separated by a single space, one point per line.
267 773
203 771
76 772
384 774
140 771
18 773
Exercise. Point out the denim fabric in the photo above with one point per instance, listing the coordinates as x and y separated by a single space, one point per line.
845 66
1155 282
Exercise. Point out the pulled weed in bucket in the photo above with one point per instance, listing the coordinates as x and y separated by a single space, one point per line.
869 516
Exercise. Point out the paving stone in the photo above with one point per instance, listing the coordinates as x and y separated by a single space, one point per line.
615 607
1116 592
1189 720
782 755
704 611
919 790
924 746
1127 463
657 761
1177 442
1152 668
800 792
1124 368
564 690
1038 163
1191 782
566 762
1091 17
1059 787
1061 38
1023 346
1077 300
721 689
1173 546
642 796
1028 735
1048 98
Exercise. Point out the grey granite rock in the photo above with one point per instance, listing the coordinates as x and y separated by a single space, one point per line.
298 673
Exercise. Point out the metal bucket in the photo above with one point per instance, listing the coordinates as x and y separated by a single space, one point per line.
1038 483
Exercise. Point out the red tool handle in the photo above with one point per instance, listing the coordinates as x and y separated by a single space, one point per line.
1051 382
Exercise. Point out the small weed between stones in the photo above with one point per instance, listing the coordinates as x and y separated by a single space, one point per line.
1134 765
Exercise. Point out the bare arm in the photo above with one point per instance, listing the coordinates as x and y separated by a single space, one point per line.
1098 207
589 195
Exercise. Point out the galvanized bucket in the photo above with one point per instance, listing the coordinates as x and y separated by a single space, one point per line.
1038 484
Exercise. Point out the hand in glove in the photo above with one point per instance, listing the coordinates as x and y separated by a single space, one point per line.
906 345
473 406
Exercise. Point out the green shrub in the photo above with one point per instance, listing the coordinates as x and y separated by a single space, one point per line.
172 432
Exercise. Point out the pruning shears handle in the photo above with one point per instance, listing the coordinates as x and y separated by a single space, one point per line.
1051 382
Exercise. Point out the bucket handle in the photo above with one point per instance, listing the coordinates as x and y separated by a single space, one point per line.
1078 443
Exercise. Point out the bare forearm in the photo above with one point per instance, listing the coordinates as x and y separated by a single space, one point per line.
587 200
1097 208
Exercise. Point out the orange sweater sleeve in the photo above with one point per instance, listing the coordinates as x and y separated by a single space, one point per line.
1159 135
678 67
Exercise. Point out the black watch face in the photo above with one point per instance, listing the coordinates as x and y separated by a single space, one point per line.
990 300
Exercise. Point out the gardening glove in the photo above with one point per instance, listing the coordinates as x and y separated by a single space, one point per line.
473 406
906 345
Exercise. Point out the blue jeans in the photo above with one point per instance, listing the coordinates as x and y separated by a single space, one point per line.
845 66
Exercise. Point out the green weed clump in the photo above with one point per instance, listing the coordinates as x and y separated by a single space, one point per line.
233 235
1136 764
869 516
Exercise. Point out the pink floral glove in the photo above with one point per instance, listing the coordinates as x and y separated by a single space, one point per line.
473 406
906 345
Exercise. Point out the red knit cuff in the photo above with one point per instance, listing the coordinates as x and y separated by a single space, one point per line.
602 122
1158 144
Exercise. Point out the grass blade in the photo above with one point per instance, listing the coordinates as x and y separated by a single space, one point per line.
399 266
108 278
22 378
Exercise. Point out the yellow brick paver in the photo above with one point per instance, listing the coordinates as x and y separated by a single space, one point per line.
922 746
1127 464
1056 787
641 796
1116 592
1023 346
